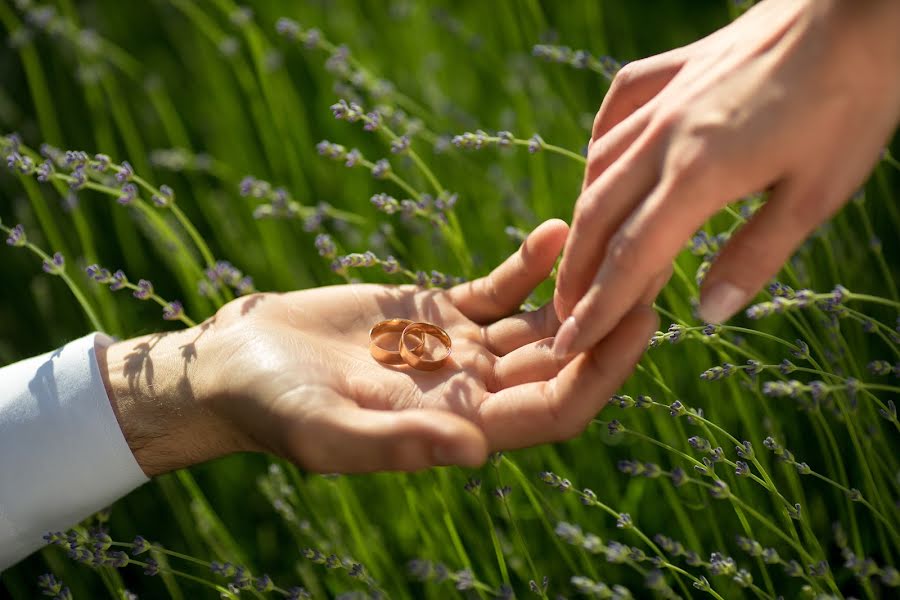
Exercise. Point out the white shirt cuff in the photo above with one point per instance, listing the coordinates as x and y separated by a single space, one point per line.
62 453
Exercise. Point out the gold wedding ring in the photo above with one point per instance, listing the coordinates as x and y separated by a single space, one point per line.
418 331
411 345
382 354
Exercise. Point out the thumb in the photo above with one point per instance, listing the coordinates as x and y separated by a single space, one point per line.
350 439
757 251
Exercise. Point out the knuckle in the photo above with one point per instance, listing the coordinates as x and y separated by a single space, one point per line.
621 252
690 164
625 78
620 88
587 210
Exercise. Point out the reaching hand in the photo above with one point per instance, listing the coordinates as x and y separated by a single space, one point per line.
292 374
796 97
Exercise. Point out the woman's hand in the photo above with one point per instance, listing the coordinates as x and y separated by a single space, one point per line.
292 374
797 97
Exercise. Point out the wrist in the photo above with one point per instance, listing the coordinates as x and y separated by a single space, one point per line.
159 387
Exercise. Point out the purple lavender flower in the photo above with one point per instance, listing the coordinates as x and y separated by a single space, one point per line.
390 265
101 163
164 198
643 402
699 444
632 468
288 28
381 169
535 144
719 490
24 164
615 427
140 546
129 194
372 121
505 139
385 203
76 158
245 286
152 567
331 150
890 412
678 476
400 145
297 593
445 201
44 171
325 245
246 185
173 311
720 564
55 265
124 172
340 109
716 373
753 368
17 237
353 158
144 291
79 178
50 584
118 281
473 485
793 569
624 521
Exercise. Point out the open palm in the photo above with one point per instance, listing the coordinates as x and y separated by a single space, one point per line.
299 379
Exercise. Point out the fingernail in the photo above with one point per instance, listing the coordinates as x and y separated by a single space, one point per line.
720 301
565 337
455 455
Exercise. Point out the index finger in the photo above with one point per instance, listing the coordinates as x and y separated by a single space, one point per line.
600 209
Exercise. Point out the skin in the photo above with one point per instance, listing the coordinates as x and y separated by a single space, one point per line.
291 374
796 97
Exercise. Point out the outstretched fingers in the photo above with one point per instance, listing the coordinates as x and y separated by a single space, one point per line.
555 410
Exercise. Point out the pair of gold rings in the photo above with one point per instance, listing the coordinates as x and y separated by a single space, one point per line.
411 347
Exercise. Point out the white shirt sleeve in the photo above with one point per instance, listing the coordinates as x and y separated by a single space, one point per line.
62 453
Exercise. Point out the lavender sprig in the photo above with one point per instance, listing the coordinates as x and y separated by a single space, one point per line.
143 290
606 66
53 265
504 139
281 205
80 170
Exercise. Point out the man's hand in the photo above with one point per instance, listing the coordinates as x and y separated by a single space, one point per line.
292 374
797 97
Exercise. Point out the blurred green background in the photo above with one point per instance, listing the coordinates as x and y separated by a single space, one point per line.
215 81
